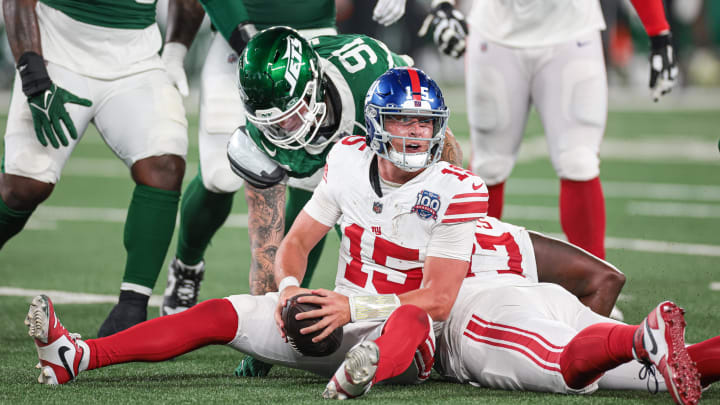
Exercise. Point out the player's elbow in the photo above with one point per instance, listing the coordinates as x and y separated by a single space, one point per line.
441 307
614 281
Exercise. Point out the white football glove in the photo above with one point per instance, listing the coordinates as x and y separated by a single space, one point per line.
663 69
386 12
174 56
448 27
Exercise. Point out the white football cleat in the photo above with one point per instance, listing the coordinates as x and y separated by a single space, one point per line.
62 354
660 341
355 375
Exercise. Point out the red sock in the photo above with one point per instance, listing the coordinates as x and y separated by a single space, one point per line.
210 322
594 350
707 356
582 214
405 332
495 200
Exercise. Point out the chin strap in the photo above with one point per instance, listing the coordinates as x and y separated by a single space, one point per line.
375 176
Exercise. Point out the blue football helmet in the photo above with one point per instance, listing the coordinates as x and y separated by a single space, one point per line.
408 95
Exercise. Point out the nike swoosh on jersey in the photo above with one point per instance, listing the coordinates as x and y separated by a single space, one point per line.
61 352
271 152
653 351
477 186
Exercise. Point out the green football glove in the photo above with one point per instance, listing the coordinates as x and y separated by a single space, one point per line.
47 101
48 111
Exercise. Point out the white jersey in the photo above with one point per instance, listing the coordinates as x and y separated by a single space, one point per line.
531 23
385 240
96 51
502 249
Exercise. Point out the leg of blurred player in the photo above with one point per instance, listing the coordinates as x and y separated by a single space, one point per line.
498 102
570 94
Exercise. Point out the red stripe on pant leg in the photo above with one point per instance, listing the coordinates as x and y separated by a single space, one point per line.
529 332
511 339
404 331
553 367
424 358
210 322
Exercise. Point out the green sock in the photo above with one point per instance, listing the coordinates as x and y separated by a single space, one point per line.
295 201
202 213
11 222
148 230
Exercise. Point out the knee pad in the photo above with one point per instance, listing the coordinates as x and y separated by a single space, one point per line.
577 164
493 169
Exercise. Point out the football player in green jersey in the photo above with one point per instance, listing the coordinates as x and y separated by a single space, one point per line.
95 61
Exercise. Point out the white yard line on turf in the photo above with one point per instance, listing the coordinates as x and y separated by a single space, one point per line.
67 297
715 286
46 217
676 210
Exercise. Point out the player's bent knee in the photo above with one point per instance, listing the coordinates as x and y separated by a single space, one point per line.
220 180
494 169
23 193
164 172
578 164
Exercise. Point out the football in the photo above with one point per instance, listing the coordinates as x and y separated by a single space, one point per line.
303 344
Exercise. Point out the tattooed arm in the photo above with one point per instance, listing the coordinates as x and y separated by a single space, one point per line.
266 224
451 150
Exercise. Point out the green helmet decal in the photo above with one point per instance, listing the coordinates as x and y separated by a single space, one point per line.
280 85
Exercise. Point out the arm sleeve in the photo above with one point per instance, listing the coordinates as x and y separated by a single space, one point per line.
452 241
322 206
225 15
652 15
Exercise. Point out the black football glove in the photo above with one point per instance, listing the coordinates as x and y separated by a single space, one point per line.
449 28
663 69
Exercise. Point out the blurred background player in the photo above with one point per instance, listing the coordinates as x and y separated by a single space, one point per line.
107 52
549 54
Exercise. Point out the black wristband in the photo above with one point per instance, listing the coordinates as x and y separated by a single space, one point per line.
241 35
660 41
33 74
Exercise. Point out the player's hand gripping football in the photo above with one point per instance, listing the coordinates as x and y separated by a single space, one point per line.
387 12
663 69
448 26
334 311
174 57
48 111
286 294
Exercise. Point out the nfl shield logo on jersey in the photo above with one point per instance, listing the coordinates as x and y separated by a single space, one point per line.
427 205
377 207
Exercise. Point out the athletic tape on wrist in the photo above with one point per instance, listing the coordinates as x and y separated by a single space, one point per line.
287 282
372 307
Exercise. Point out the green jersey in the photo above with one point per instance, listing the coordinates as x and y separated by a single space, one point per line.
298 14
350 63
127 14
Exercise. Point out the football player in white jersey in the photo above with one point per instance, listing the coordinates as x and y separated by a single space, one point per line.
407 221
508 331
548 54
105 51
